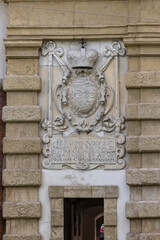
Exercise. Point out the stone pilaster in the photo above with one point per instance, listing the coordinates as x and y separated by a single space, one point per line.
22 144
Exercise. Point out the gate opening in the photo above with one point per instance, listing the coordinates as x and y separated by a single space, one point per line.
83 218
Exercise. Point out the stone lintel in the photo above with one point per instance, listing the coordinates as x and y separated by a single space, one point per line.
13 83
143 209
143 236
21 210
143 111
83 192
21 145
21 113
143 79
22 237
21 177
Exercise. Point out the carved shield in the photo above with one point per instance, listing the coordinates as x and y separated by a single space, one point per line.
83 95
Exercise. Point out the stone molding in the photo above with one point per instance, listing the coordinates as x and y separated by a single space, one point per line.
21 114
21 177
22 237
21 83
143 209
21 210
143 79
58 193
143 111
21 145
135 177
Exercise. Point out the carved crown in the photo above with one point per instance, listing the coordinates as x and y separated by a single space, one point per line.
82 58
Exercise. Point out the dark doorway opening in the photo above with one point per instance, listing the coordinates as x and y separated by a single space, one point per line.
83 218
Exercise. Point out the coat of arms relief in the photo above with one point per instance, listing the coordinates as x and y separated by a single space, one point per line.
85 133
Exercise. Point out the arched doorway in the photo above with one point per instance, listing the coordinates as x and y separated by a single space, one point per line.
99 220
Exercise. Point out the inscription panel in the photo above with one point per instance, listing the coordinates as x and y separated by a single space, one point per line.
84 153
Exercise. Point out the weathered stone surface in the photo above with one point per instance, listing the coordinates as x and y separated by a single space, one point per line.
77 192
132 144
143 79
57 218
143 176
132 111
149 143
56 192
143 209
143 236
105 192
21 83
21 145
83 192
21 177
22 237
57 204
22 66
143 143
21 210
143 111
21 114
22 98
110 217
57 233
110 233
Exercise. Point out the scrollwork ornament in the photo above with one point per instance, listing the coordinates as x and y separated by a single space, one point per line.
116 49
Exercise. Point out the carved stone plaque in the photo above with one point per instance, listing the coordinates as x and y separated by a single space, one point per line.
83 127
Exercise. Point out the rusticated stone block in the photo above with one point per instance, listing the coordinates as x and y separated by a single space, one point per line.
143 176
21 177
143 236
149 111
22 237
143 79
21 145
143 209
21 83
143 143
149 143
105 192
57 218
21 114
21 210
132 144
77 192
143 111
110 217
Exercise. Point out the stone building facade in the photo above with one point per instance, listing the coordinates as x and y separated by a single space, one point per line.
82 134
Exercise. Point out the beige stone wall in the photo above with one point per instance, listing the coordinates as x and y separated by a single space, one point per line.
29 23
